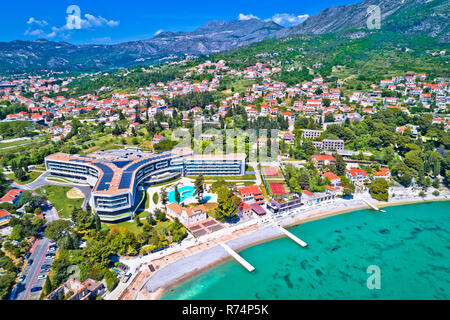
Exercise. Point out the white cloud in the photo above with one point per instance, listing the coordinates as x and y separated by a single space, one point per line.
89 21
41 23
158 32
93 21
284 19
37 32
287 20
40 33
247 16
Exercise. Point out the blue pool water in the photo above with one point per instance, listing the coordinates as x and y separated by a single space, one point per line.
186 193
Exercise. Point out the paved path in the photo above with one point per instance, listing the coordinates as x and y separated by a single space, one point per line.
42 181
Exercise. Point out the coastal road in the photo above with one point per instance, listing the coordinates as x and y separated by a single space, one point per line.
33 271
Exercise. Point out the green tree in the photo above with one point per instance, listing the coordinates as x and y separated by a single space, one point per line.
47 289
164 196
57 229
137 220
177 195
227 204
379 190
97 222
405 180
199 189
151 220
340 165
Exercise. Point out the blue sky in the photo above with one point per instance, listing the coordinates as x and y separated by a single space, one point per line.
115 21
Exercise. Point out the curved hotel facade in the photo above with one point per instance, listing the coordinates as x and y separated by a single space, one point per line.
116 174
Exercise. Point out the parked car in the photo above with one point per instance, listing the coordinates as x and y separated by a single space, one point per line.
36 289
42 277
126 278
30 262
22 277
50 255
27 255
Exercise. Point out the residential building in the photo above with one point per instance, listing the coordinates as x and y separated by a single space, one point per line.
289 203
327 145
75 290
384 173
157 139
187 216
244 210
311 134
356 175
323 160
5 216
334 179
252 194
13 196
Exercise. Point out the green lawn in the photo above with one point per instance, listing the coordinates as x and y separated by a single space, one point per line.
250 169
14 144
57 196
33 175
132 226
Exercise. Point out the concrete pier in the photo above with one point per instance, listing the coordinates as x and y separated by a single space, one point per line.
238 258
293 237
372 206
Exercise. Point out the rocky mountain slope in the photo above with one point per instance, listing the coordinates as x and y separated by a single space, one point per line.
405 17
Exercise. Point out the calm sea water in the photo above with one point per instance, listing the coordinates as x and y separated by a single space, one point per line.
410 244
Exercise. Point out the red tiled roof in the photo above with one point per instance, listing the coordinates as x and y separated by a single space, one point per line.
250 190
330 175
4 213
354 172
382 172
243 206
11 195
324 158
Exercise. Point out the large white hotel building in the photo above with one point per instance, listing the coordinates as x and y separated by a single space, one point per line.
116 174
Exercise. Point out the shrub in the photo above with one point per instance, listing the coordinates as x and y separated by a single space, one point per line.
155 198
111 280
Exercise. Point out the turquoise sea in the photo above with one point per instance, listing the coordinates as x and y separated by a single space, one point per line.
410 244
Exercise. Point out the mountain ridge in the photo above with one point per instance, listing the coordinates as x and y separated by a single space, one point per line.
424 17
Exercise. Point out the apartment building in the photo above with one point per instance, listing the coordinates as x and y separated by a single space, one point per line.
311 134
328 145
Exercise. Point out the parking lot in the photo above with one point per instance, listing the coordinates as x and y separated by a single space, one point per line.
36 271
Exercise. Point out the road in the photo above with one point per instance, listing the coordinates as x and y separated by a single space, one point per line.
38 256
41 247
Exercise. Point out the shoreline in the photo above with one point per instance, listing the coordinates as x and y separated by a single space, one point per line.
260 236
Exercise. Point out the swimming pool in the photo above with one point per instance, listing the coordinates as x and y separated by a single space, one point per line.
186 193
